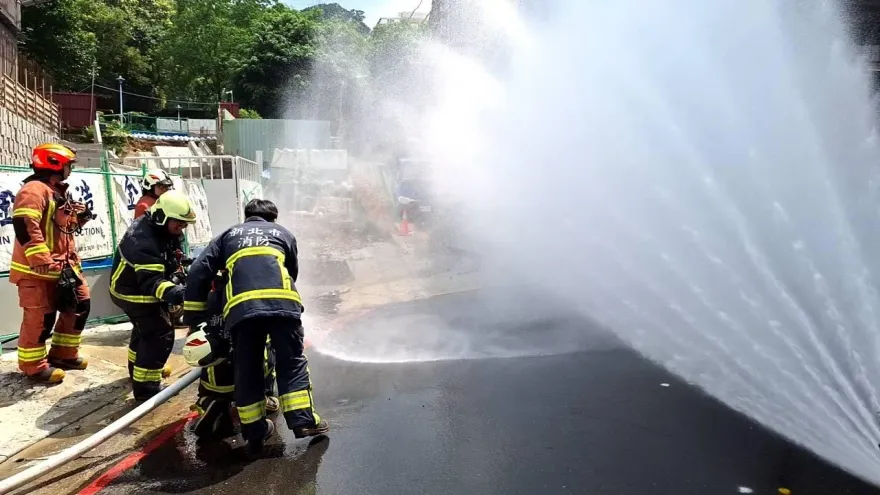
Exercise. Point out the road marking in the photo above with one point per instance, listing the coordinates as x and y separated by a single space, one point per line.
135 457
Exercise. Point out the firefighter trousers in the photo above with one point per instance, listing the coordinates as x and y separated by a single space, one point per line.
37 300
218 381
152 339
292 374
216 390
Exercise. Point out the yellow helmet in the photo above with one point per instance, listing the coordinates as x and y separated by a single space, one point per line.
173 204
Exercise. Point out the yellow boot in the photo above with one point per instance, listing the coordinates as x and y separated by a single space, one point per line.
49 375
70 364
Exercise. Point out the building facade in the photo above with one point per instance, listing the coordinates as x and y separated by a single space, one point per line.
27 114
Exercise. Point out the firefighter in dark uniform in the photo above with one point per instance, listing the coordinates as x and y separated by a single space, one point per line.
217 382
145 281
260 301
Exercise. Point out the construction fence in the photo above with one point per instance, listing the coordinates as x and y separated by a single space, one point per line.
111 196
112 192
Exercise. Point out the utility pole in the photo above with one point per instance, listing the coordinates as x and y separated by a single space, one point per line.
178 114
92 100
121 113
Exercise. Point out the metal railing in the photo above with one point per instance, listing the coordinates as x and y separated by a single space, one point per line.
247 174
188 167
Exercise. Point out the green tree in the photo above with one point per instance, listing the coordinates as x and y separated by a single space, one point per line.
244 113
334 11
116 37
339 74
276 66
395 55
206 43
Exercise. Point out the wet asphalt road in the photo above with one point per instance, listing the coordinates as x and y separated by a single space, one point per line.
594 421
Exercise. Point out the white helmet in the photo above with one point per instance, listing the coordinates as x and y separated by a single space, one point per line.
197 350
156 177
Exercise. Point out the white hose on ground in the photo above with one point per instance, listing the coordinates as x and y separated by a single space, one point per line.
98 438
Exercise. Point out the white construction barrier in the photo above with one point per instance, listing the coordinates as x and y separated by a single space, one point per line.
249 181
200 233
126 193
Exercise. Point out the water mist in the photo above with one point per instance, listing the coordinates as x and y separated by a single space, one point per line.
701 178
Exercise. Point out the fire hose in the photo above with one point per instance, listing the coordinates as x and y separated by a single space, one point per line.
98 438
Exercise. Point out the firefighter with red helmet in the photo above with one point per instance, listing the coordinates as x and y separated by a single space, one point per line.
52 291
155 183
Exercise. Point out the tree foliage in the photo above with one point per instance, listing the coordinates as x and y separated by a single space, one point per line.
334 11
206 43
244 113
277 62
71 37
320 62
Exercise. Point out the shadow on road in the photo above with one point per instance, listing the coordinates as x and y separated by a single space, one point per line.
80 404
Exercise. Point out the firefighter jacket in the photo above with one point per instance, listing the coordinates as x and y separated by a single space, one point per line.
260 260
142 265
144 204
44 231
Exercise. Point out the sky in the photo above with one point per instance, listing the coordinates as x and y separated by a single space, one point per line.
373 9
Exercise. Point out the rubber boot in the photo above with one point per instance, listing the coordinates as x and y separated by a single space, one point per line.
143 392
70 364
311 431
166 371
49 375
214 421
254 449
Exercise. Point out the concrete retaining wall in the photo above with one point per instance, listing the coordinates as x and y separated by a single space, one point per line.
18 137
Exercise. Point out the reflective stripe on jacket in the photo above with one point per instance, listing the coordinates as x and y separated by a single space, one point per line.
260 259
43 232
142 264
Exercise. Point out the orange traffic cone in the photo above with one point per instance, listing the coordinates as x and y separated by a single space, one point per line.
404 225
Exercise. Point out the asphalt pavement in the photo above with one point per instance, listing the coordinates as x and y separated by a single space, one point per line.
595 419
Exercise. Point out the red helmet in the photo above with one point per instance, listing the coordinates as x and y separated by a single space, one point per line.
52 157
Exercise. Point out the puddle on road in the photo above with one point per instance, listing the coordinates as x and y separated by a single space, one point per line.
461 326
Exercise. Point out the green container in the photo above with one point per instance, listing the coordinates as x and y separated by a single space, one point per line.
243 137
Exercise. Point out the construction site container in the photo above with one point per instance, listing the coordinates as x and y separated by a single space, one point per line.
244 137
232 108
77 110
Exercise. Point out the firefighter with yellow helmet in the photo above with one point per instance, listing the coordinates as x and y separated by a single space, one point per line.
52 292
146 280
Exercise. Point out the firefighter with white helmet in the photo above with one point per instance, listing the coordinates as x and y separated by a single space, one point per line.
154 184
261 301
208 346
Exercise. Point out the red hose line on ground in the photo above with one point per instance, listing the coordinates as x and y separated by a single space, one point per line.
135 457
